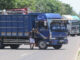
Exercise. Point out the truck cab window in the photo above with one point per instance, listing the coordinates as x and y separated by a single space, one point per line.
42 25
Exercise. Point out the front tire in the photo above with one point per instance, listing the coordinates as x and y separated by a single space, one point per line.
72 34
78 34
57 46
14 46
42 45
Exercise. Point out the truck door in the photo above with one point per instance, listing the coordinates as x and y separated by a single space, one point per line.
43 28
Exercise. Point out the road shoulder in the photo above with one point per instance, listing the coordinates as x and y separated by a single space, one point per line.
78 55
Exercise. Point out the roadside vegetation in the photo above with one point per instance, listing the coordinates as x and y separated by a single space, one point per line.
52 6
78 57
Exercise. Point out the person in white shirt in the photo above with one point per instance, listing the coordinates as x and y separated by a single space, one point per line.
32 39
32 42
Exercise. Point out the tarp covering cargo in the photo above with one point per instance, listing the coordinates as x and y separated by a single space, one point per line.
76 17
68 17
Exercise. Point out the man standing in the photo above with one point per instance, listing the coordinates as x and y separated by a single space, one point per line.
32 42
32 39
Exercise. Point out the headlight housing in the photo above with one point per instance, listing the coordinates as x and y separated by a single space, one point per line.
54 38
65 38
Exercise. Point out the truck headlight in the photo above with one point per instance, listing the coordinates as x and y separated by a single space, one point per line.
65 38
61 41
54 38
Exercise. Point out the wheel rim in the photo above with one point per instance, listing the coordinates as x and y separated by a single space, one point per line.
42 44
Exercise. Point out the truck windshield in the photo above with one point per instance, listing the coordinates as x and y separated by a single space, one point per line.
75 27
58 27
75 23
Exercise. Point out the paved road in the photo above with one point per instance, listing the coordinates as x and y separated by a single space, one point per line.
67 52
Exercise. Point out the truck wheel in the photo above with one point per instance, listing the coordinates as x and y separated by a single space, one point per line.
14 46
1 45
72 34
57 46
78 34
68 34
42 45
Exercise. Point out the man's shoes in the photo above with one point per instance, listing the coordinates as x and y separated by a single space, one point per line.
31 48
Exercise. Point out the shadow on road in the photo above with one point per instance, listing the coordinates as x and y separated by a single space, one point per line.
30 49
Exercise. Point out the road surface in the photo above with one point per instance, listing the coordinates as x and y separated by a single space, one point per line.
67 52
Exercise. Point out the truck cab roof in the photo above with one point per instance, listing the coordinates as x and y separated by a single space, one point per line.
46 16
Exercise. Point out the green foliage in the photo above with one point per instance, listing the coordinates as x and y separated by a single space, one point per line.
67 9
7 4
47 6
52 6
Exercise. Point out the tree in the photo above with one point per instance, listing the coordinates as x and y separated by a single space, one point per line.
68 9
7 4
46 6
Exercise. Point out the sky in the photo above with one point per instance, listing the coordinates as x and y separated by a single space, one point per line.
73 3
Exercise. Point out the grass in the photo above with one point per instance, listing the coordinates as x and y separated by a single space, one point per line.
78 58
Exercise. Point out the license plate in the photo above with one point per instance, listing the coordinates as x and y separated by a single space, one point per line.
61 41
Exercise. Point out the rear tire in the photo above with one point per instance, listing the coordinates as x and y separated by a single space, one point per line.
14 46
57 46
42 45
1 45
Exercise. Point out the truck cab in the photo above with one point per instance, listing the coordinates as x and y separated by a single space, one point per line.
53 31
77 23
73 25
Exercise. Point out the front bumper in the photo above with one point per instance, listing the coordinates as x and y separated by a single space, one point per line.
58 42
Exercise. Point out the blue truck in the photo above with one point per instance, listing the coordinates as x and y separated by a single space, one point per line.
15 30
